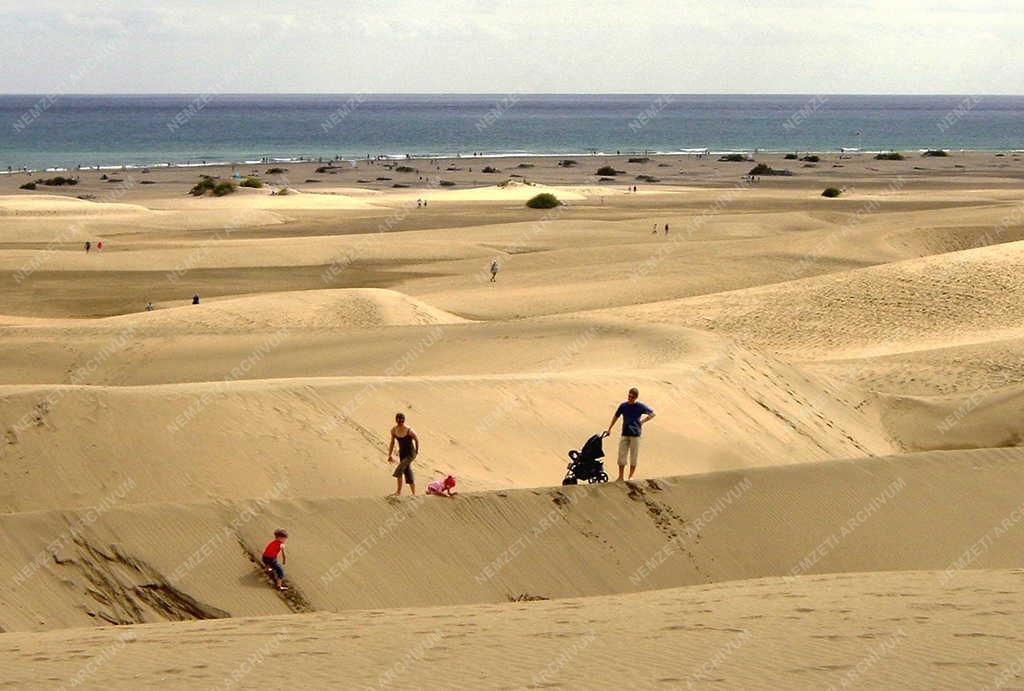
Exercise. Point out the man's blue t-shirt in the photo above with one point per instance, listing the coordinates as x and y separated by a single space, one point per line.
631 414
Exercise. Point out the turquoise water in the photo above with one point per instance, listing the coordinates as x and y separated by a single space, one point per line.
40 132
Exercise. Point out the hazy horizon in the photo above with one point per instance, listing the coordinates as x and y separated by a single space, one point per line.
471 47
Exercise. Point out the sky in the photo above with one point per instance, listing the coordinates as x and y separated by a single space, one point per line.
470 46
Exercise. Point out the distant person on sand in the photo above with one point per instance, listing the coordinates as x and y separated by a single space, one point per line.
88 246
443 488
99 245
195 299
494 270
149 306
666 229
273 565
634 416
408 449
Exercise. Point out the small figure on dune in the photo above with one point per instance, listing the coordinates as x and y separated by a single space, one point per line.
272 564
494 270
195 299
149 306
443 488
408 449
666 229
88 246
634 416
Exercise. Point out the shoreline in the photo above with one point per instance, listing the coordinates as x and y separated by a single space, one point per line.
354 161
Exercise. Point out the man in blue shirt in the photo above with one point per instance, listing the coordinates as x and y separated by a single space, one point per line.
634 416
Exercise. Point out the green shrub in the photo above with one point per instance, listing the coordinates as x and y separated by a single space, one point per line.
641 159
544 200
251 181
526 165
284 191
405 169
276 171
765 169
223 187
790 157
567 163
446 183
647 178
733 158
936 152
490 169
203 186
323 169
28 186
607 170
890 156
831 192
811 159
58 181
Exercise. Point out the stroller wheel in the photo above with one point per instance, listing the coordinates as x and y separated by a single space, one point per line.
569 481
600 477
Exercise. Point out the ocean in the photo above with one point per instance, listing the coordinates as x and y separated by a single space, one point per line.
83 130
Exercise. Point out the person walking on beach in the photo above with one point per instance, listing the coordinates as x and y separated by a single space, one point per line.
88 246
666 229
634 416
195 299
408 449
494 270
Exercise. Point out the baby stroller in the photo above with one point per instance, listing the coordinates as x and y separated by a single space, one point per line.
586 463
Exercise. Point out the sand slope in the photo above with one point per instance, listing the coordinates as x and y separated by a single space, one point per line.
865 631
175 561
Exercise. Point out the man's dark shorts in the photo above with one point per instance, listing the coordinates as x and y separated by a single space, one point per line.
405 468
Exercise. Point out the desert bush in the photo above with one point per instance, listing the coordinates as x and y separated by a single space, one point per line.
790 157
284 191
567 163
251 181
640 159
647 178
890 156
405 169
490 169
831 192
223 188
608 170
765 169
733 158
276 171
936 152
544 200
526 165
58 181
206 184
446 183
324 169
28 186
811 159
311 180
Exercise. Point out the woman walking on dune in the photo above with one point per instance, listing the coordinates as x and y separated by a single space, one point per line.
408 449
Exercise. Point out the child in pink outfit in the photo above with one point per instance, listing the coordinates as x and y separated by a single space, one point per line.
443 488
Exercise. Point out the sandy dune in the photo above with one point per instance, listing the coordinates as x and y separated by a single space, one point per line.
865 631
790 344
153 562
